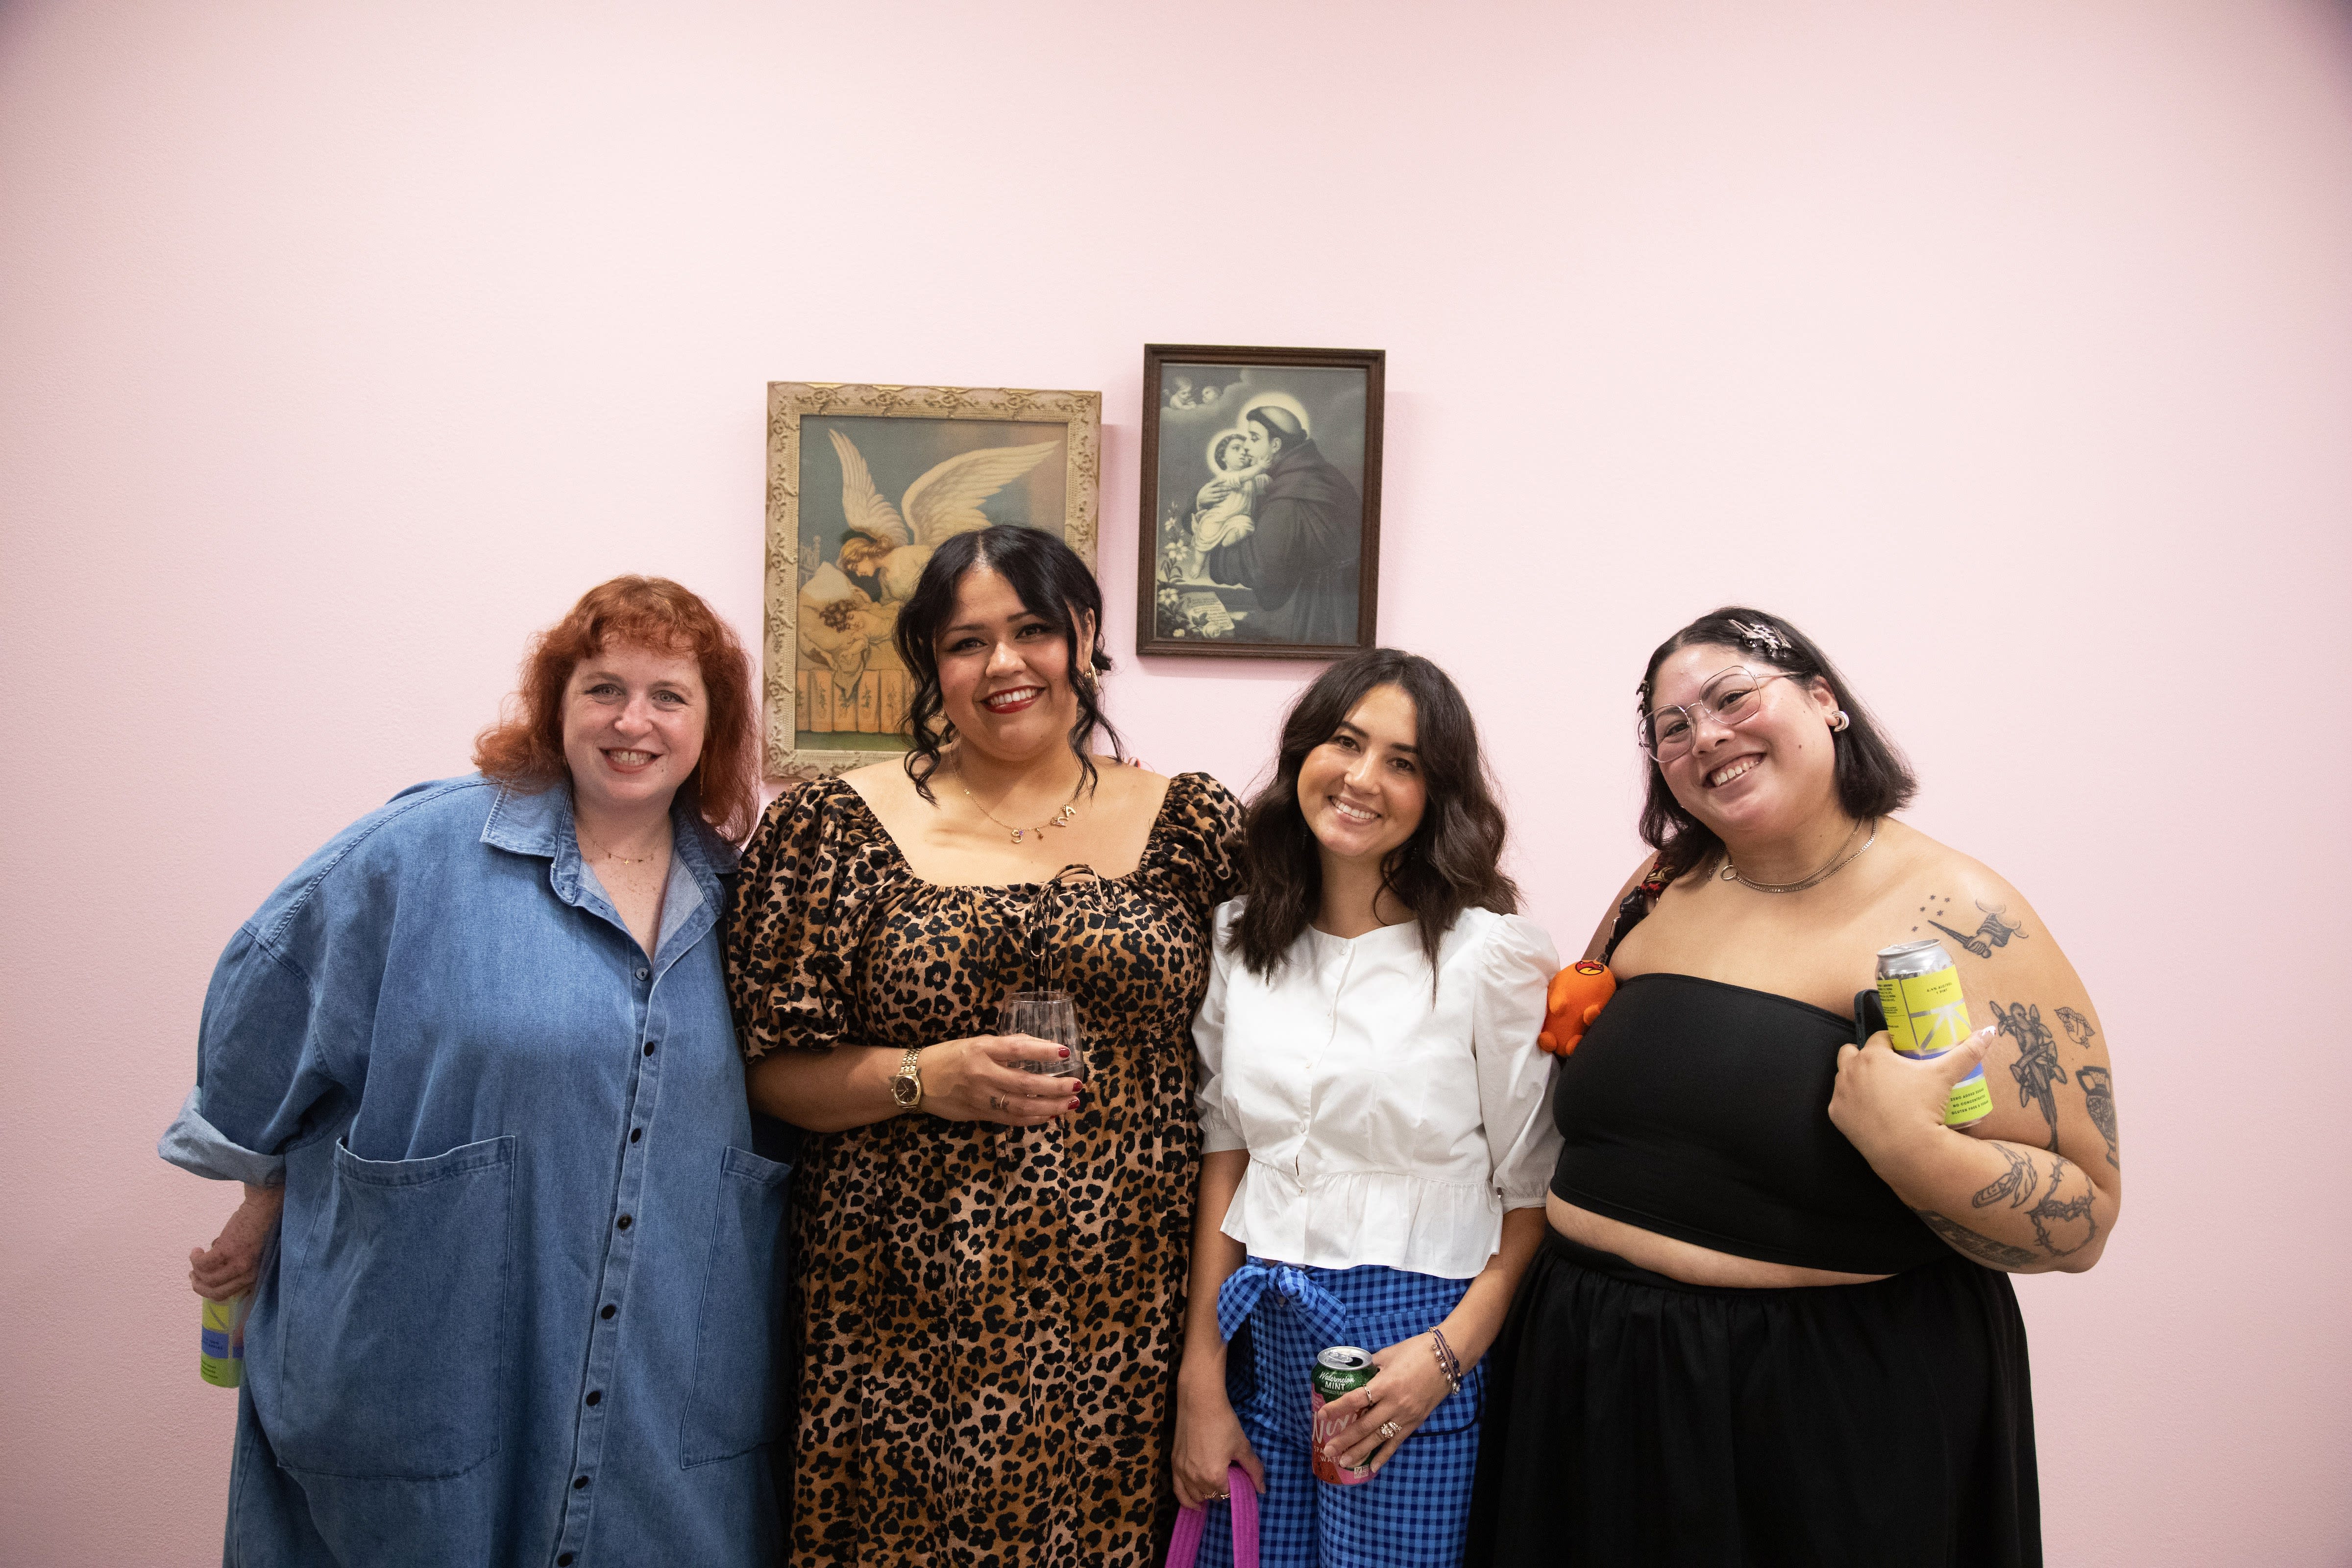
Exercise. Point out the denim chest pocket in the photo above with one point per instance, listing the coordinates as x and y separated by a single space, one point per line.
736 1405
394 1325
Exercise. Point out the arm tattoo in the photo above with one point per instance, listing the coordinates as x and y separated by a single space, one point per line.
2078 1027
1983 1248
2099 1099
2061 1225
2064 1213
2018 1185
1991 931
2036 1068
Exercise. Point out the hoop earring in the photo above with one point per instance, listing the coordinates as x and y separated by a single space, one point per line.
1840 724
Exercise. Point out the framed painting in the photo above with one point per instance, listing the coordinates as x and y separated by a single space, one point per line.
1261 501
864 482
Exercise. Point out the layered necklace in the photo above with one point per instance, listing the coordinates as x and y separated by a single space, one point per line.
1846 856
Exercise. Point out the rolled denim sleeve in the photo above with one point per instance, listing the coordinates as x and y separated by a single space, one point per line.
197 1146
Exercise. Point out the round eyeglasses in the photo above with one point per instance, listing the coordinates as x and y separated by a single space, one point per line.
1730 698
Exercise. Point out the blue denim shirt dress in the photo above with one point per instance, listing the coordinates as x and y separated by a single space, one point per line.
525 1299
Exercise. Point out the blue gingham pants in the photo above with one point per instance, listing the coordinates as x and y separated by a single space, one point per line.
1414 1513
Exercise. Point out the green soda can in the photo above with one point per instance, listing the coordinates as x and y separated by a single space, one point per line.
1926 1016
1340 1371
220 1359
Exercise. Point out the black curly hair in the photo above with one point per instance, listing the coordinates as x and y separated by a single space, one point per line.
1053 584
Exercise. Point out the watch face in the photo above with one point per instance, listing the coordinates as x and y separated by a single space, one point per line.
903 1089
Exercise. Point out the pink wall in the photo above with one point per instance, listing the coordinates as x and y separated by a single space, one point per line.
2007 347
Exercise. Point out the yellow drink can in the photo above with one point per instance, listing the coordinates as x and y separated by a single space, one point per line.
1927 1016
220 1357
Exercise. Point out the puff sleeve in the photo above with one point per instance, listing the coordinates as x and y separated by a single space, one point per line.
788 946
1515 1075
1199 840
1220 1130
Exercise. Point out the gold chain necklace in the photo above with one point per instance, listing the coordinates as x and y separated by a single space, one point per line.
1061 818
1731 871
623 859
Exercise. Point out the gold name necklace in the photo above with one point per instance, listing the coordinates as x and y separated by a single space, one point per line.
1061 818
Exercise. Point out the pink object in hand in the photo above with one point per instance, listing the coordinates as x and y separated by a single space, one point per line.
1184 1545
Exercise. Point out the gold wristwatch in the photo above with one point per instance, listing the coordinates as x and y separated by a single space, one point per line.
906 1083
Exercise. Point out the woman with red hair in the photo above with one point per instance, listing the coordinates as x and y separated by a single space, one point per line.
510 1251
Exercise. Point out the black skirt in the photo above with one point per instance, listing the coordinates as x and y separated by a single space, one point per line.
1632 1420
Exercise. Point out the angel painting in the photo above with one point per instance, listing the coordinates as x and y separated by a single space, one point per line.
874 496
885 546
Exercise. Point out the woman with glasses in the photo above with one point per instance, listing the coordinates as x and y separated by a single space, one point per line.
1771 1320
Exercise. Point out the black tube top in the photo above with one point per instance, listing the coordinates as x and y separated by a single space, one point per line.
1700 1111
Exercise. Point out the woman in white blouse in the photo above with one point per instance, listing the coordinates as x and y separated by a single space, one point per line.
1375 1132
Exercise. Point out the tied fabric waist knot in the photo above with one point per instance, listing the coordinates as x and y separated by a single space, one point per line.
1247 1285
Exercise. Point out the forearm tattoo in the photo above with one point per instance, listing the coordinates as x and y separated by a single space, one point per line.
2063 1226
2036 1068
2018 1183
1983 1248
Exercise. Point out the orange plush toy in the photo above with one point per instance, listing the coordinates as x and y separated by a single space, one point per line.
1572 1001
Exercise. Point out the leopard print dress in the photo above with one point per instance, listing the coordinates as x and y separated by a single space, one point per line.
989 1317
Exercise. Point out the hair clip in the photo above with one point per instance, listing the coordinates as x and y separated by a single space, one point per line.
1761 637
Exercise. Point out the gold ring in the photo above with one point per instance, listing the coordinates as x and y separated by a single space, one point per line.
1388 1428
1221 1497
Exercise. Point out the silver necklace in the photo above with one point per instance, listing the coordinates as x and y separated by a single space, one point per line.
1844 858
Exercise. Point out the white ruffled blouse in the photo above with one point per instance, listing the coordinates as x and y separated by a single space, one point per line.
1384 1125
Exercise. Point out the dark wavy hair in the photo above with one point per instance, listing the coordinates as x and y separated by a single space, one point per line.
1452 861
1871 777
1052 584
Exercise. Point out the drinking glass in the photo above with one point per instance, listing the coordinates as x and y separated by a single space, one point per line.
1048 1015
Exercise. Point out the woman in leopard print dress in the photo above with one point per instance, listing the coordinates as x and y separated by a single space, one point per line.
989 1281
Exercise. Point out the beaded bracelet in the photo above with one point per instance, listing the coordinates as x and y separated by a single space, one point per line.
1447 1363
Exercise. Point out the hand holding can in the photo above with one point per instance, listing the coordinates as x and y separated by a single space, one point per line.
1920 1007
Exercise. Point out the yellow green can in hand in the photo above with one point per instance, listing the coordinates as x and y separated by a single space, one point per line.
1926 1016
220 1358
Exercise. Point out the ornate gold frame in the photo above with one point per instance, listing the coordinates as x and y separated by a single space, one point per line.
788 402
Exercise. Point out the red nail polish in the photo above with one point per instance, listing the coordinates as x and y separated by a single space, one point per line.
1066 1053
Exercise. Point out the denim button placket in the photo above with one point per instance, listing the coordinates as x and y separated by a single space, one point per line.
588 1440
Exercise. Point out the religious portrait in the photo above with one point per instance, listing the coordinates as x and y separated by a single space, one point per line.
864 482
1260 524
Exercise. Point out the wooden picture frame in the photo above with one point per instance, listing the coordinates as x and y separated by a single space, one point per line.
845 454
1211 581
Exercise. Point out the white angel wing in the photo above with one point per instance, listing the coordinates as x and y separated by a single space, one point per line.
860 501
946 500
